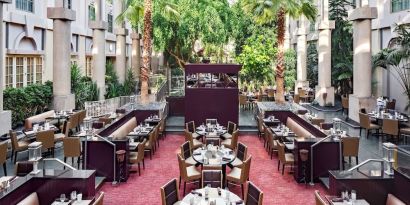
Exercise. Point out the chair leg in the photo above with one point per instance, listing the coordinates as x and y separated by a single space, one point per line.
367 136
184 187
242 191
139 169
12 155
78 162
283 168
350 160
360 132
278 164
143 163
15 157
5 169
179 181
357 160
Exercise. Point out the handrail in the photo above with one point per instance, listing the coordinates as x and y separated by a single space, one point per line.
59 161
365 162
311 155
114 182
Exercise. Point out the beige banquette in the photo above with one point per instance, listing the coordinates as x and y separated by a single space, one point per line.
28 123
31 199
125 129
297 128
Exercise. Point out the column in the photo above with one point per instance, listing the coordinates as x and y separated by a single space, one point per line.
62 17
5 115
362 60
99 59
136 54
325 93
301 50
120 51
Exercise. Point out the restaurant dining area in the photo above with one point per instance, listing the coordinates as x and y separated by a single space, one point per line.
192 102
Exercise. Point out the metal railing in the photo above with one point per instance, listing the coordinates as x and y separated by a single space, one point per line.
59 161
162 92
366 162
114 182
311 156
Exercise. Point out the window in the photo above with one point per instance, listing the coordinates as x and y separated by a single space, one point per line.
91 12
88 66
312 27
69 4
23 70
25 5
9 72
110 23
400 5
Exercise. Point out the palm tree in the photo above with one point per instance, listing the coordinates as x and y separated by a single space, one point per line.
267 11
133 12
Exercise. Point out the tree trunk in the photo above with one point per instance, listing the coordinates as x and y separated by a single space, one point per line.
146 55
280 66
136 54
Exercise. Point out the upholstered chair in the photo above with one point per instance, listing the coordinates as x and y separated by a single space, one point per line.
211 121
150 145
350 148
212 177
72 148
138 157
23 168
241 152
190 126
170 193
391 128
194 142
187 173
284 158
240 175
46 138
366 124
3 156
254 196
230 129
233 142
66 131
16 145
186 153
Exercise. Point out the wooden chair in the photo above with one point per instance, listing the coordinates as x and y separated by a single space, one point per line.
100 199
212 141
243 101
21 169
186 153
284 158
253 194
187 173
350 148
261 129
72 148
194 142
3 156
46 138
161 129
66 131
304 95
296 98
230 129
272 144
318 199
241 152
150 145
366 124
190 126
138 157
240 175
16 145
170 193
317 121
391 105
231 143
212 177
391 128
271 94
345 105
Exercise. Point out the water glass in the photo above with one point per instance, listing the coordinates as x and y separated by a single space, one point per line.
227 194
73 195
79 197
353 195
62 197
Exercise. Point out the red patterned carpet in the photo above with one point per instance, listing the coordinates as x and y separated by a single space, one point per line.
145 189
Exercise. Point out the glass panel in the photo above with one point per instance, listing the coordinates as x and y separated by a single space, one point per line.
19 71
9 71
88 66
24 5
91 12
39 70
30 70
110 23
400 5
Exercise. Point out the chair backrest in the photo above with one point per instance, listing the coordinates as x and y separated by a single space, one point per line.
390 126
190 126
364 120
151 138
72 146
23 168
46 137
245 169
345 102
350 146
254 196
212 177
296 98
302 93
100 199
234 140
393 200
211 121
3 152
212 141
188 137
317 121
260 124
281 152
231 127
241 151
186 150
169 193
326 125
182 167
31 199
141 150
105 120
318 199
242 99
391 105
13 139
81 116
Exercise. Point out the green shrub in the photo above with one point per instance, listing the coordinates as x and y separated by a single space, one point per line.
290 72
83 87
28 101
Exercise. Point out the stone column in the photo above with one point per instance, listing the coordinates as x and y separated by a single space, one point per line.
136 54
62 17
301 50
5 115
120 51
99 59
325 93
362 60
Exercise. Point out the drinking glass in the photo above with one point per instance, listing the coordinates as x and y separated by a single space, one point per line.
227 195
62 197
353 195
79 197
73 195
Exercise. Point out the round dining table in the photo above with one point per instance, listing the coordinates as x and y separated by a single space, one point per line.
211 130
214 156
225 197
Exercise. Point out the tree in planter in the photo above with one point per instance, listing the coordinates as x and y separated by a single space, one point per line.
290 72
397 59
276 11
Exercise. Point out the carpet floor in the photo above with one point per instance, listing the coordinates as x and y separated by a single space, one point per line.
145 189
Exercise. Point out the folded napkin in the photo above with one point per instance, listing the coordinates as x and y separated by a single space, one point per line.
196 154
239 202
196 193
226 158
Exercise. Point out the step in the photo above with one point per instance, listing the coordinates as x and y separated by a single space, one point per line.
325 181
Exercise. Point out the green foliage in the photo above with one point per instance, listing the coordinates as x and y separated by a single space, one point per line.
342 42
312 64
129 84
290 72
114 87
397 59
28 101
256 59
82 87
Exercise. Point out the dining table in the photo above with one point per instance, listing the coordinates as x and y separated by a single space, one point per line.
141 132
214 156
219 196
72 202
32 133
213 131
335 200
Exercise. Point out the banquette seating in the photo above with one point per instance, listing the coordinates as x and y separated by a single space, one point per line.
28 123
123 131
297 128
31 199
